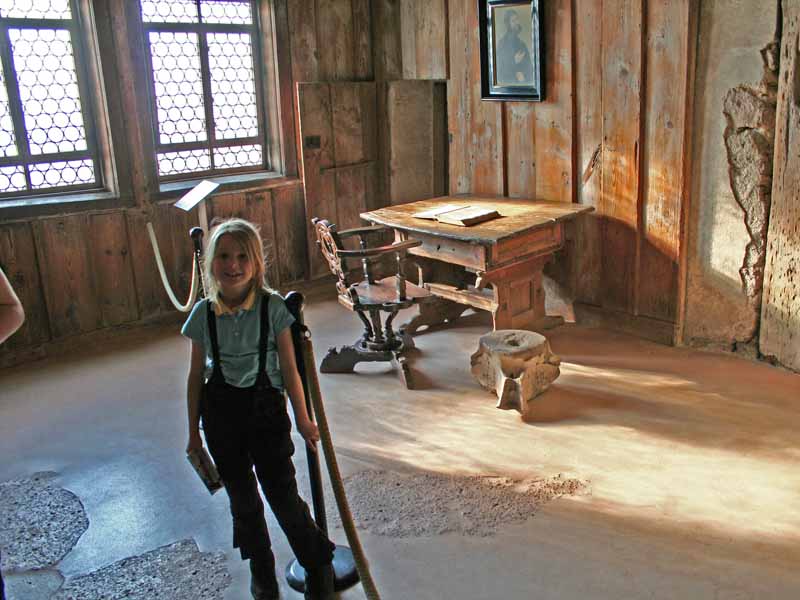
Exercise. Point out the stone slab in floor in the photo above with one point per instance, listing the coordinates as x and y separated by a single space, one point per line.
39 522
178 571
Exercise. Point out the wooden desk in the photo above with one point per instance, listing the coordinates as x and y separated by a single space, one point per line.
495 265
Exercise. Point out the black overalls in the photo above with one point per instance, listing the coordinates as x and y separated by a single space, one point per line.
246 427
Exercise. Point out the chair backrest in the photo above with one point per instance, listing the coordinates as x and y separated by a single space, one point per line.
330 244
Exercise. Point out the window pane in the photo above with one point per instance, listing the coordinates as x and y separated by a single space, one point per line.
169 11
186 161
62 173
226 11
12 179
233 88
48 89
8 145
178 87
238 156
35 9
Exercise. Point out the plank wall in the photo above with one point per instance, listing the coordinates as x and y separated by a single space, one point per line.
610 133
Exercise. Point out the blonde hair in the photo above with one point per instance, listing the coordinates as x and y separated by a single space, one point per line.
248 237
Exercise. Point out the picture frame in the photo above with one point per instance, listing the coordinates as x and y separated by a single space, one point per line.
511 50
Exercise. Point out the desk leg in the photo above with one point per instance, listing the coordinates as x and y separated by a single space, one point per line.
520 303
434 311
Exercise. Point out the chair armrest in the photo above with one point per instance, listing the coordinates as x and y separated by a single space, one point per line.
367 252
362 230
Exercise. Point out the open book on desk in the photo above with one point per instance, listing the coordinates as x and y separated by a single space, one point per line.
454 214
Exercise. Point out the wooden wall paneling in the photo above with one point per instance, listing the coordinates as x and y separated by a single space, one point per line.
408 37
621 89
314 101
362 40
780 308
553 135
67 275
226 206
351 196
520 144
131 69
291 249
588 65
485 154
19 262
183 249
431 39
410 122
259 210
278 86
667 30
440 145
302 16
353 122
458 99
475 127
150 293
111 258
386 40
335 39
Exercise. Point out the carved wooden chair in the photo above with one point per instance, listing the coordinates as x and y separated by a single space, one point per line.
368 297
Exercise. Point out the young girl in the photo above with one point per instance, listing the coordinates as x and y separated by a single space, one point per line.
242 358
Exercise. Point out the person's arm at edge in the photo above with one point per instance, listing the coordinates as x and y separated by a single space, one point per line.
194 388
12 315
291 380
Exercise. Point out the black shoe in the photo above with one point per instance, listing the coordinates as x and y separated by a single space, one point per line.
319 583
263 584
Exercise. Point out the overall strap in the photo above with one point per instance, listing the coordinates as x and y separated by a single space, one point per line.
262 378
212 333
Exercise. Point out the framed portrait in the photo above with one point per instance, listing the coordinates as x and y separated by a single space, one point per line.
511 50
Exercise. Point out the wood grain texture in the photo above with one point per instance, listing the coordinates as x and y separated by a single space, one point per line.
19 262
553 116
588 62
411 144
458 100
662 165
291 250
780 309
302 16
520 146
149 291
353 122
408 36
388 48
621 89
351 196
475 127
314 101
362 40
111 258
335 39
67 275
431 39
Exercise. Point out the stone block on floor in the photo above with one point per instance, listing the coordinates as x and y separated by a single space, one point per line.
515 364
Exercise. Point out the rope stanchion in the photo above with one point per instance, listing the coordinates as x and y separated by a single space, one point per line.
195 278
362 565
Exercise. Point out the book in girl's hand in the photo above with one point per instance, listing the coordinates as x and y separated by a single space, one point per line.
205 469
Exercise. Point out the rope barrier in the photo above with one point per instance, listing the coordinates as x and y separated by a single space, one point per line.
362 566
192 290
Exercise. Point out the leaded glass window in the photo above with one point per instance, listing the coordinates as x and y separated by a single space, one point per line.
46 136
205 89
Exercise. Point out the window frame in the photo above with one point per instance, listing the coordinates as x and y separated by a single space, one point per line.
81 38
211 143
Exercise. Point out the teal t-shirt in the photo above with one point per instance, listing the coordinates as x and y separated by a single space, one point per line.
238 335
